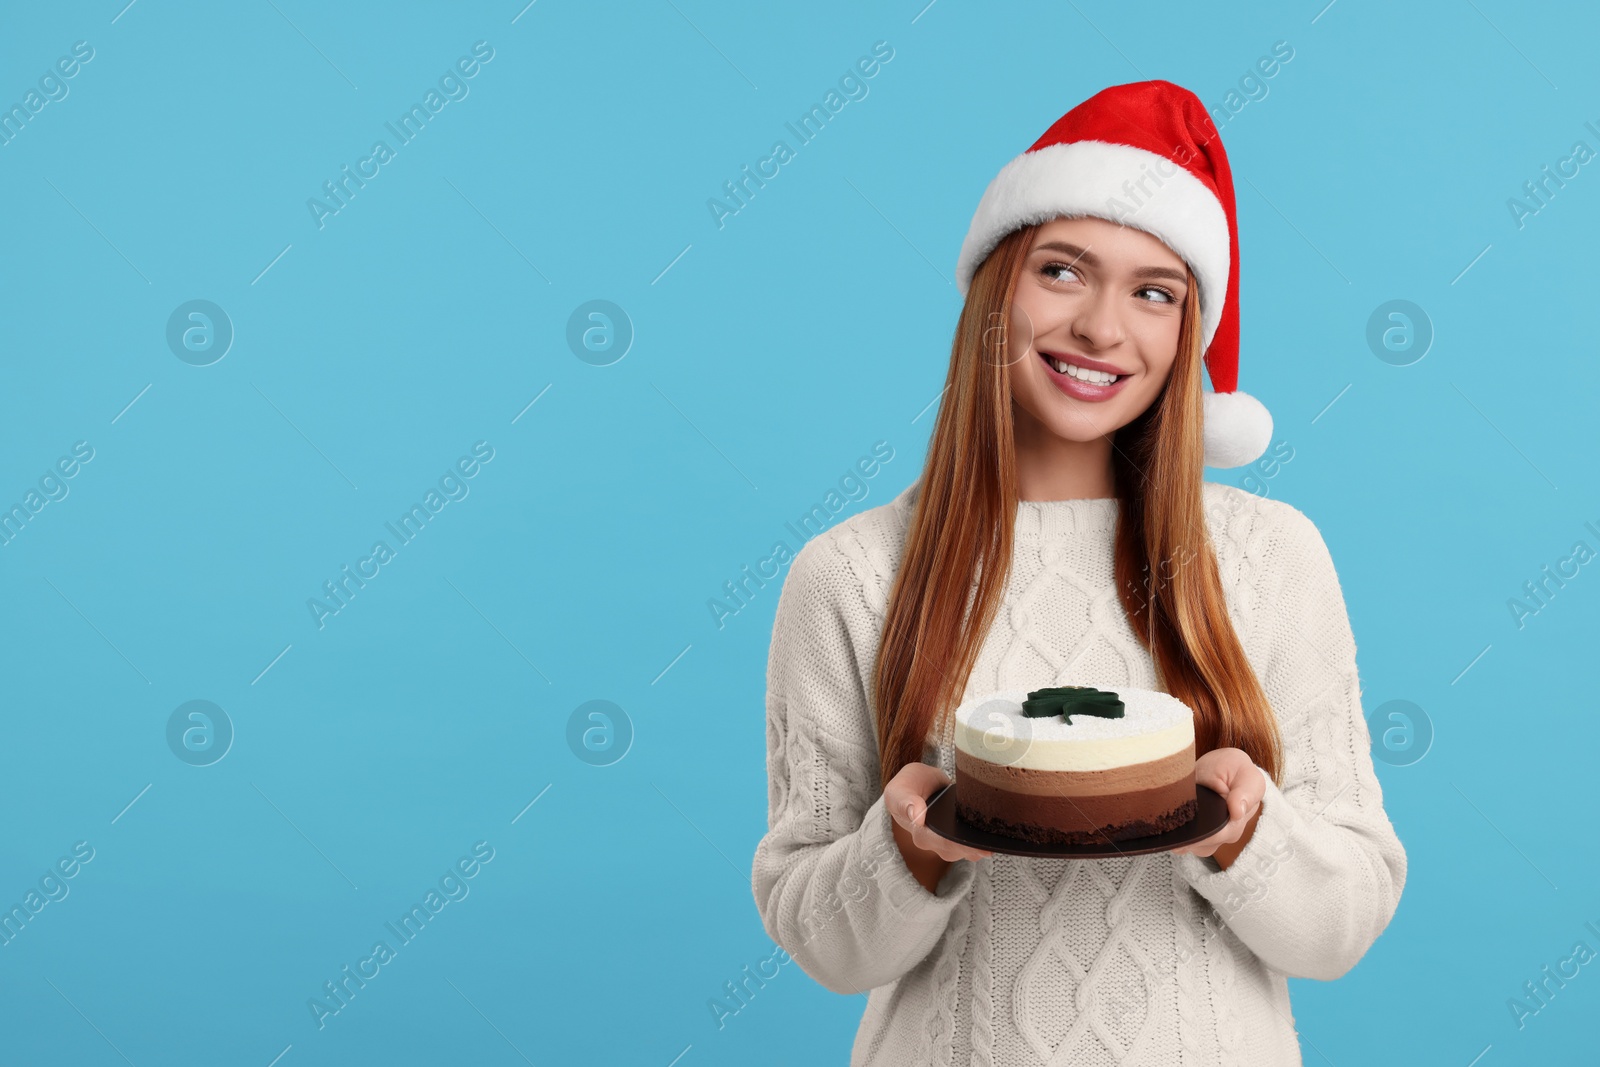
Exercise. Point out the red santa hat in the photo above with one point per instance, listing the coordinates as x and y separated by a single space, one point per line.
1146 155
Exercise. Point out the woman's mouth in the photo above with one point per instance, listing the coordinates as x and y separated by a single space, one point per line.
1080 383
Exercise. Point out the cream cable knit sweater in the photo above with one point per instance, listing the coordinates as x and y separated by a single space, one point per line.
1159 959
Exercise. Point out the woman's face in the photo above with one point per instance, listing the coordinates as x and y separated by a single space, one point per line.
1099 297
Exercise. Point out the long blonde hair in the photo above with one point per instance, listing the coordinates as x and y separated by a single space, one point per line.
952 575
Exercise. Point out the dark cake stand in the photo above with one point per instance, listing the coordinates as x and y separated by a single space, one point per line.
1211 815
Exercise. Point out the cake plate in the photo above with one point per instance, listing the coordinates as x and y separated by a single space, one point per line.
1210 816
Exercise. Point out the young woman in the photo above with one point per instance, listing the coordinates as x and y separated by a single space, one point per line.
1062 533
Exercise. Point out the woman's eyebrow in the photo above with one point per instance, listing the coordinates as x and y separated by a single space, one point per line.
1088 258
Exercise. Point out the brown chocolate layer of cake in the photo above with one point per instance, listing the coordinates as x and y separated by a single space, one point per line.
1077 807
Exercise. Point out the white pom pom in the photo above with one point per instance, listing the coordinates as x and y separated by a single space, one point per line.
1237 429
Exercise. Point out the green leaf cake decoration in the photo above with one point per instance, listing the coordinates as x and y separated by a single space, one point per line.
1070 700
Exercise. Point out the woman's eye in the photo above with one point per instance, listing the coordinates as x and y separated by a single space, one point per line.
1051 270
1164 297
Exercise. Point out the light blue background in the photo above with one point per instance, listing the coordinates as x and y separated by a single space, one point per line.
774 352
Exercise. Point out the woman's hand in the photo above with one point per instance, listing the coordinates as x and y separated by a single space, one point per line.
927 854
1232 773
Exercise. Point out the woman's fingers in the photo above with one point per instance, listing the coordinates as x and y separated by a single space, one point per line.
907 792
942 846
953 850
949 850
916 811
938 844
906 797
1240 810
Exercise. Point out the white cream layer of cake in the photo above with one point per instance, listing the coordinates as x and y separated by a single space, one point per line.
1153 725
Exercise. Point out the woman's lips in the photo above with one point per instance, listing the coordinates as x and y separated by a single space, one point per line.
1079 389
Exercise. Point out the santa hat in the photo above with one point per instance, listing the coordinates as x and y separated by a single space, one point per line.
1146 155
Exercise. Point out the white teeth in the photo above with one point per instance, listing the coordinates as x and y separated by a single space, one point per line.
1093 377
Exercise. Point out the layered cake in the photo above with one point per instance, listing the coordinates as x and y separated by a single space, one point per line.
1075 764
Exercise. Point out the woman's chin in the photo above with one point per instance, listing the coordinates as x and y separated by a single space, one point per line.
1082 423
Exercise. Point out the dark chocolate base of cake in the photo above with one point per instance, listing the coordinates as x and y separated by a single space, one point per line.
1047 835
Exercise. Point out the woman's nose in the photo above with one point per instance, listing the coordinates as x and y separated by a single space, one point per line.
1098 321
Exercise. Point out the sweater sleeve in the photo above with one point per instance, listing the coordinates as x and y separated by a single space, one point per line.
829 880
1322 874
